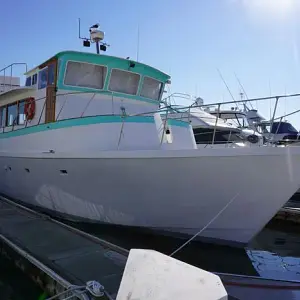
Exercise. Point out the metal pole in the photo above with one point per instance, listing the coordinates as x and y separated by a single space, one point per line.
213 139
97 47
272 120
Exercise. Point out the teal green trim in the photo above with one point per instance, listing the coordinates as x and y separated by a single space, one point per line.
173 122
77 122
110 62
113 62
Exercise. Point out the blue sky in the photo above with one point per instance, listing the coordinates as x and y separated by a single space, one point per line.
188 39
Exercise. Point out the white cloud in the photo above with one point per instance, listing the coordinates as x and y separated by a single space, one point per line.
268 8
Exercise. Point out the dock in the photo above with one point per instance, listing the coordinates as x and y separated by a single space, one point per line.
68 263
59 258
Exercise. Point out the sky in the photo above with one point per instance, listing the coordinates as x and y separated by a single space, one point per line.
258 40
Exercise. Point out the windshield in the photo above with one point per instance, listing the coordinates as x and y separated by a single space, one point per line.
238 121
283 127
263 128
205 136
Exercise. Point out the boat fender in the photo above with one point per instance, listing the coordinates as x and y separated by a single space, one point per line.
29 108
253 139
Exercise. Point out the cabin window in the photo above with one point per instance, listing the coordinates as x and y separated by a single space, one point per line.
21 114
151 88
28 81
2 116
34 79
124 82
51 74
222 136
12 111
43 78
85 75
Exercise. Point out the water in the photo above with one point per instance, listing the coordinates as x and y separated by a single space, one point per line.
14 285
274 253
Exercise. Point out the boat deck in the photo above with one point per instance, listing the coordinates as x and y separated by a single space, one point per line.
75 257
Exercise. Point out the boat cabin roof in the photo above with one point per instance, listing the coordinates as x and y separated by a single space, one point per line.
229 114
200 118
106 60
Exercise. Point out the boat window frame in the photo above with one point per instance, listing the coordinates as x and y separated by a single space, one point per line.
35 75
18 118
38 79
28 78
160 92
3 111
82 87
138 87
233 131
4 121
14 122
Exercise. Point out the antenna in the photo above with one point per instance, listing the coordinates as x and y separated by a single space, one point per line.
270 99
242 88
226 85
96 36
285 103
138 43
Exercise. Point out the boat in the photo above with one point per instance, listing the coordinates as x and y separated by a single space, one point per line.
212 131
84 140
277 132
244 287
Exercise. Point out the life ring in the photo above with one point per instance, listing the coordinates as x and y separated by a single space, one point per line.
29 108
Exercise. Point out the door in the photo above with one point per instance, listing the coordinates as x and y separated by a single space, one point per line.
51 92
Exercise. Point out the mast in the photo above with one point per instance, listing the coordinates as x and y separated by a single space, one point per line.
96 36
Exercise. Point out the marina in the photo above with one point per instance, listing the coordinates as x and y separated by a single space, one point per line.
114 186
93 120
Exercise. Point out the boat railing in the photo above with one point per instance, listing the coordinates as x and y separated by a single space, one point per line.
219 105
167 109
7 73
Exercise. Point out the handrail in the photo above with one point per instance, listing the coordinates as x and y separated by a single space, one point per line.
3 70
167 109
13 64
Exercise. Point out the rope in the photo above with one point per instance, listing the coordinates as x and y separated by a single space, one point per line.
92 287
208 224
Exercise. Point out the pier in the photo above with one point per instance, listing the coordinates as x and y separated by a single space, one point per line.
68 263
57 257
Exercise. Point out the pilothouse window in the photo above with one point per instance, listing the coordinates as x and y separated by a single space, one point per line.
151 88
85 75
43 78
124 82
51 74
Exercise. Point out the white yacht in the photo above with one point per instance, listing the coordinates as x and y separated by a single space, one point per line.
279 132
80 140
210 131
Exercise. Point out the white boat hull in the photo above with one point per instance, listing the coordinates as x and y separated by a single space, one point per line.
174 191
